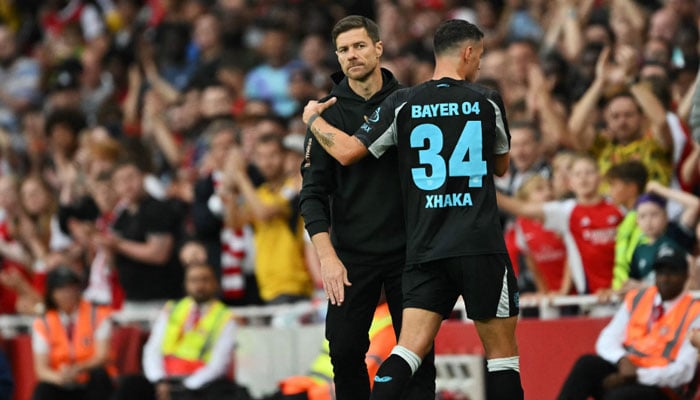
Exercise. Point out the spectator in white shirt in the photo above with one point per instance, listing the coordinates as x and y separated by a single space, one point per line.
645 351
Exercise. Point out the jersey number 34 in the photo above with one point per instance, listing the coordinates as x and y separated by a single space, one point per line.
470 141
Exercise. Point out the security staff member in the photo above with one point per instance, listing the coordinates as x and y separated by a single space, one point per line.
190 349
645 351
71 343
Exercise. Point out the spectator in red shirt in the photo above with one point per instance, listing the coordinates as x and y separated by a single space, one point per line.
588 224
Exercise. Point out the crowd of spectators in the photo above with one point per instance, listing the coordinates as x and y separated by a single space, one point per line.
137 134
138 137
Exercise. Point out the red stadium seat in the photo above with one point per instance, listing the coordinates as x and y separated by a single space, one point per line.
127 342
19 354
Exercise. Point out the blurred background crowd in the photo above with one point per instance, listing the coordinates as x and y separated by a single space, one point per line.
137 136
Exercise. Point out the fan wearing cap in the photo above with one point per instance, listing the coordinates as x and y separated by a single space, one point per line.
70 343
659 231
645 351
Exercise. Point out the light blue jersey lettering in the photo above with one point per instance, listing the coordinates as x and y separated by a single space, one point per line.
448 200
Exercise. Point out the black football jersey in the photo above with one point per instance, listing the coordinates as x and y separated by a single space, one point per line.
447 133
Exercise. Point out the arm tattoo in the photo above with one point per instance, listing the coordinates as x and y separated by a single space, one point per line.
327 139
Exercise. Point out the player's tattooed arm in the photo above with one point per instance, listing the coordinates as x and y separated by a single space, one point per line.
341 146
327 139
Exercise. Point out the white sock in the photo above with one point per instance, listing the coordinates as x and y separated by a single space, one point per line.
503 364
410 357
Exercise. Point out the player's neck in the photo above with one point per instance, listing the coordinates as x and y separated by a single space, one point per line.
368 87
437 77
446 70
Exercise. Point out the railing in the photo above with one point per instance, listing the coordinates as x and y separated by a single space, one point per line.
314 311
277 315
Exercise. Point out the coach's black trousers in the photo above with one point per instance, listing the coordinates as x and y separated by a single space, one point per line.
347 328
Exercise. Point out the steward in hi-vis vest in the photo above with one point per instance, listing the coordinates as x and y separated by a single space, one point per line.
657 344
645 352
189 354
71 343
187 350
76 343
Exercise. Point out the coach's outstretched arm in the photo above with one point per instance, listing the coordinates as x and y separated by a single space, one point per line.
341 146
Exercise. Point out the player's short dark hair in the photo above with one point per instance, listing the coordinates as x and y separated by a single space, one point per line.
353 22
632 171
454 32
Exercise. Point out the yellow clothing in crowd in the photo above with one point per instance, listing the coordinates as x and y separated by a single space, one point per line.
279 249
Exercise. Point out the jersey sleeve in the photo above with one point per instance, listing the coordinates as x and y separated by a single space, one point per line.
502 144
378 133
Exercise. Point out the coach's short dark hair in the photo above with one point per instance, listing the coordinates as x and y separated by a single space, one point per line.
353 22
452 33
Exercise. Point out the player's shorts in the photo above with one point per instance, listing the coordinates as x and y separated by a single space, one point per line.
486 282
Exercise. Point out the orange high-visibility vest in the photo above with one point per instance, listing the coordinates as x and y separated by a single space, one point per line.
655 344
64 352
382 340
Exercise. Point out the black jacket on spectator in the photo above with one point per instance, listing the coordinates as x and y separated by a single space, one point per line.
141 281
207 225
84 209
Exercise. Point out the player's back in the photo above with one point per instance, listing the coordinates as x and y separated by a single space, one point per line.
448 133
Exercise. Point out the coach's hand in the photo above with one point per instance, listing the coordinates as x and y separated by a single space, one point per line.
335 278
314 107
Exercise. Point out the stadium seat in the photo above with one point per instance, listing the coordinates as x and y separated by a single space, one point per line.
127 342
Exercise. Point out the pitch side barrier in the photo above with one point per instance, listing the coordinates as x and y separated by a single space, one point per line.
279 341
307 312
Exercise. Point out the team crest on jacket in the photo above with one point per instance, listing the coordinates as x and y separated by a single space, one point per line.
375 116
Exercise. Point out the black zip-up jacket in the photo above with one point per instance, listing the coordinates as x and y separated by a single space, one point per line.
360 205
